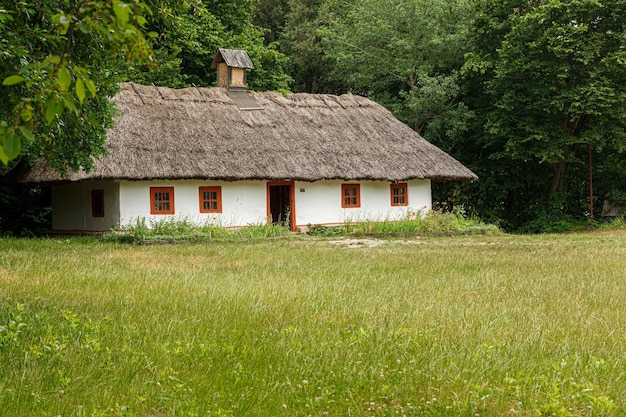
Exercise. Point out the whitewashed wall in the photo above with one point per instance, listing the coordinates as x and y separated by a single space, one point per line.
243 202
71 206
320 202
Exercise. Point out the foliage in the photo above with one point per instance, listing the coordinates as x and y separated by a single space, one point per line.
439 222
179 228
545 80
405 55
272 15
61 61
551 219
301 39
24 211
559 82
617 223
190 34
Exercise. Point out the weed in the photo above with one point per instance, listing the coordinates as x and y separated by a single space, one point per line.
13 326
441 222
176 229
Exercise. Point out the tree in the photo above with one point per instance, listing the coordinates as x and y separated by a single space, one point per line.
61 61
190 34
271 15
301 40
560 83
545 80
405 55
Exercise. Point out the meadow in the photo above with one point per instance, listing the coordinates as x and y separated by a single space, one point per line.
483 325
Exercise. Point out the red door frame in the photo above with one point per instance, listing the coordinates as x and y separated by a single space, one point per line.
292 202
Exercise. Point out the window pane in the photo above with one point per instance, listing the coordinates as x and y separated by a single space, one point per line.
210 199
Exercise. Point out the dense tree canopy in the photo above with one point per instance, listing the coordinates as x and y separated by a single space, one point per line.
63 59
192 31
560 82
530 94
60 61
546 81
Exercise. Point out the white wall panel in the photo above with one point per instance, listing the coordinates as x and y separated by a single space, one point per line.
71 206
243 203
320 202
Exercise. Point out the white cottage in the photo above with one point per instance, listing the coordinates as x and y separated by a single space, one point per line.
233 158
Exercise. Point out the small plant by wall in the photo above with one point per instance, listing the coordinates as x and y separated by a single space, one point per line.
175 228
442 221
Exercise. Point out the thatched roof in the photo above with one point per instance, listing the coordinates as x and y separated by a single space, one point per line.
199 133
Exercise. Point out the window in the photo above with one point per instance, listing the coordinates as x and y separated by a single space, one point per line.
161 200
97 203
350 195
399 195
210 199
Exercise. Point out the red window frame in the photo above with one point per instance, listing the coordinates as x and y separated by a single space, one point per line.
210 199
350 195
97 203
399 194
162 200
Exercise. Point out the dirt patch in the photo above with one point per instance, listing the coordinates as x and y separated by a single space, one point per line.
357 243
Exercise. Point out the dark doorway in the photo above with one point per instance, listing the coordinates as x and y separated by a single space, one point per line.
280 203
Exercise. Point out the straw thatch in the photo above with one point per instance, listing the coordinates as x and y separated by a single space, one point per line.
200 133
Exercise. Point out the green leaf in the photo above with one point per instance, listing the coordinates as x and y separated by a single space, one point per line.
12 144
80 90
3 157
141 21
62 22
27 113
27 134
68 103
13 79
85 27
53 108
91 87
53 59
122 11
64 78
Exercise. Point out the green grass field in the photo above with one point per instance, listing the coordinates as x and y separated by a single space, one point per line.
452 326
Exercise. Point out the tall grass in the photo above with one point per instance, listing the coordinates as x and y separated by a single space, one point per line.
433 222
179 228
463 326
